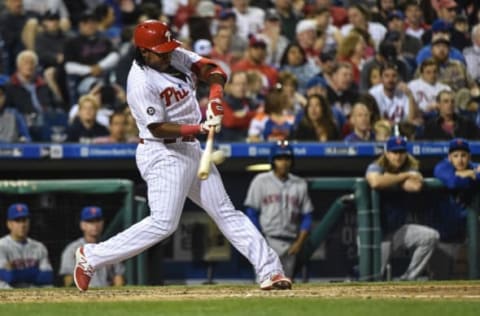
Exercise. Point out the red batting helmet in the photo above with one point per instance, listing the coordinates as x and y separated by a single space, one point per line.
155 36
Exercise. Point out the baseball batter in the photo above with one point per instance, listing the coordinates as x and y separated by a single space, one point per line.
23 261
161 94
278 204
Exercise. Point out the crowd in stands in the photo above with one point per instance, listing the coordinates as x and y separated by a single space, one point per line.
307 70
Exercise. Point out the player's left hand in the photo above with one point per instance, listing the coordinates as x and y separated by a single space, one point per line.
295 248
214 108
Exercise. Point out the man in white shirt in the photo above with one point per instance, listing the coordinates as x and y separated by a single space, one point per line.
249 19
395 100
426 88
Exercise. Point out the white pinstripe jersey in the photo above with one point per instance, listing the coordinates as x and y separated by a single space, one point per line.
155 97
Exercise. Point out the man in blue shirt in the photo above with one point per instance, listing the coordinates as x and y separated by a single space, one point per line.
462 177
449 212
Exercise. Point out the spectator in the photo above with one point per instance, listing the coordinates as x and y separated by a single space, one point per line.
117 129
275 123
333 37
84 127
28 93
383 9
199 25
18 30
414 22
255 59
222 43
451 72
395 100
397 169
461 176
408 45
306 37
249 19
289 16
23 261
239 109
448 124
49 48
88 54
41 7
317 123
91 224
276 42
278 204
382 130
105 16
296 101
228 19
472 54
460 32
341 94
351 50
337 11
426 88
13 126
387 53
359 17
440 29
294 61
361 120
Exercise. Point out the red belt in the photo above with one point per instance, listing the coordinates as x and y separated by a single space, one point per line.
171 140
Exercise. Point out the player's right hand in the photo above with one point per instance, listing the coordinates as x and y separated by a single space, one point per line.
214 122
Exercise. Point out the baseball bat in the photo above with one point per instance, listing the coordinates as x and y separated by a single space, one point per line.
205 161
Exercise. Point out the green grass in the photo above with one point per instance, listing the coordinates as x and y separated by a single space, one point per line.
250 307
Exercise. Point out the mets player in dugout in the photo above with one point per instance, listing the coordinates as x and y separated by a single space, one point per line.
161 94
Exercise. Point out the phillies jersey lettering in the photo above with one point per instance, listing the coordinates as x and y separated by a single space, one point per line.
170 92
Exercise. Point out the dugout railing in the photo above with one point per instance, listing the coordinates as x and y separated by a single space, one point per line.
431 184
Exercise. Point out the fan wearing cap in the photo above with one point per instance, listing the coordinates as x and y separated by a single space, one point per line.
408 46
439 28
23 261
91 224
387 53
462 178
254 59
396 175
276 41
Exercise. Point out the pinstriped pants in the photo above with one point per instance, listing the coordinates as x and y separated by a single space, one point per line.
170 173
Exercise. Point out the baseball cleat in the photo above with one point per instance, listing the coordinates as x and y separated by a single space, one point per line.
83 272
276 282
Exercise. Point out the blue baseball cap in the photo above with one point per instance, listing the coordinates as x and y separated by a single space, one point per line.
17 210
396 14
440 26
458 144
396 143
90 213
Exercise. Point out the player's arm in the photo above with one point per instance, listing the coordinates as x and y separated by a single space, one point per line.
305 226
414 182
446 173
254 216
379 181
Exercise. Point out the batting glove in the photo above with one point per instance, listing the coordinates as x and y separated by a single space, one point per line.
214 122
